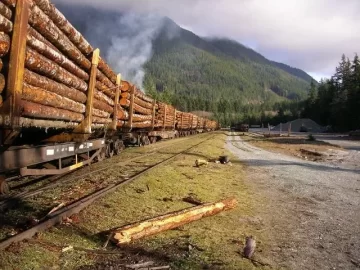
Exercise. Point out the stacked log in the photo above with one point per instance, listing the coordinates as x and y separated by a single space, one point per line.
165 116
184 120
194 122
6 27
140 107
201 123
57 67
57 74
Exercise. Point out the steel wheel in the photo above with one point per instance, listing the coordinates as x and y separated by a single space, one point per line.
101 156
4 186
118 147
109 150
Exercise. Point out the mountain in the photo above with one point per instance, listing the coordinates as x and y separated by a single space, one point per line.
196 73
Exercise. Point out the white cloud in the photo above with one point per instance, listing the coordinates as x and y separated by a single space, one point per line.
308 34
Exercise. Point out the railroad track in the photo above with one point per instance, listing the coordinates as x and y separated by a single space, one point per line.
76 205
55 181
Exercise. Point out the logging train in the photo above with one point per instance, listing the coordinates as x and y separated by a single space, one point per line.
61 105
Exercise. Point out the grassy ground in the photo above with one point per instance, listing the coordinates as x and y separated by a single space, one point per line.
293 145
211 243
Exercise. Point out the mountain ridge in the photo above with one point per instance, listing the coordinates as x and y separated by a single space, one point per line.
198 73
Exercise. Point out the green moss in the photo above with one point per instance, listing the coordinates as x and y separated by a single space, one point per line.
215 241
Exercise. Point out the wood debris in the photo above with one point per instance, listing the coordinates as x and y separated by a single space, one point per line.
126 234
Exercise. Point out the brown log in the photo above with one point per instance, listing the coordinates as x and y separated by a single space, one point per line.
1 64
125 95
64 25
120 124
44 66
72 34
101 96
52 86
34 110
122 114
141 118
125 86
100 113
104 80
41 96
126 234
137 108
109 91
37 35
124 102
144 124
105 68
100 105
100 120
141 95
9 3
5 11
2 83
143 103
5 25
57 57
1 100
42 23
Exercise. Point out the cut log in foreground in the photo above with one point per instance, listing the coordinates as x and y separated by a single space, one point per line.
170 221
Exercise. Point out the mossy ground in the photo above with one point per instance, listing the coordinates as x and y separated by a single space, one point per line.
211 243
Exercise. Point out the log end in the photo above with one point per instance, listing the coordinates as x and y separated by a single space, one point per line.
230 203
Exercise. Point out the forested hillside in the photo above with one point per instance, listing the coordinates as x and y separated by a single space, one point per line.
194 73
218 74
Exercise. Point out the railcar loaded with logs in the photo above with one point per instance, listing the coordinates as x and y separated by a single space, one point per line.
61 104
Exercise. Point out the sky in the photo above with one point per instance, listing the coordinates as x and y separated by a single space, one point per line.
308 34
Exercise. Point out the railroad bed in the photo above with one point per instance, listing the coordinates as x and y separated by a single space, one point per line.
75 191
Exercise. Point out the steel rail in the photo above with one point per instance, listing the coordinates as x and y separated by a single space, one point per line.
75 207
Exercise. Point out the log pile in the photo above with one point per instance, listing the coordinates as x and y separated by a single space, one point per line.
141 108
6 27
63 83
57 67
165 116
185 120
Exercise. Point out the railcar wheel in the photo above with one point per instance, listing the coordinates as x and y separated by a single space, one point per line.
101 156
152 140
4 186
118 147
109 152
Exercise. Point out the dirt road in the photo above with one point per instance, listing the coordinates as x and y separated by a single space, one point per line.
312 210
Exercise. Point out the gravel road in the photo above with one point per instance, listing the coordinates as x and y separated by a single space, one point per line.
311 210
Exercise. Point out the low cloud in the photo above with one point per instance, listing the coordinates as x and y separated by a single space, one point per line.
306 34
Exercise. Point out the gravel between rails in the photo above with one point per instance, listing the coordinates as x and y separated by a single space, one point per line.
312 210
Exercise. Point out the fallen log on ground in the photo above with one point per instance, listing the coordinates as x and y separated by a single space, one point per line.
170 221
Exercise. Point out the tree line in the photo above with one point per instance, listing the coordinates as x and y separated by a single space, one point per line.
333 102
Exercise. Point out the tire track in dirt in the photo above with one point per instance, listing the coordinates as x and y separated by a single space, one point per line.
312 210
